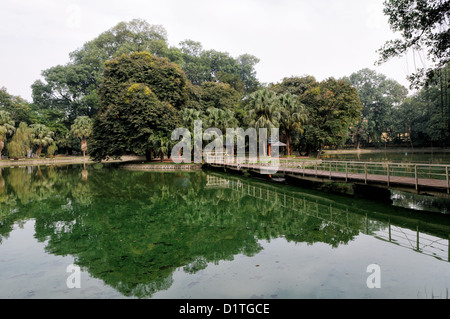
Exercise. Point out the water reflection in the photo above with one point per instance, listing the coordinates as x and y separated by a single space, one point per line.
134 229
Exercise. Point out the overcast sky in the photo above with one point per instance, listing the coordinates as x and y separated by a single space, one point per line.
322 38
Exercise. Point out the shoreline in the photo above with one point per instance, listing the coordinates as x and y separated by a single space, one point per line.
162 167
62 161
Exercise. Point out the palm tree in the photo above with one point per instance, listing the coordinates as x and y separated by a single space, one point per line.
6 128
264 110
82 128
41 136
221 119
293 117
161 144
188 116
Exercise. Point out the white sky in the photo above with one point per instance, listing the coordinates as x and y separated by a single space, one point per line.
322 38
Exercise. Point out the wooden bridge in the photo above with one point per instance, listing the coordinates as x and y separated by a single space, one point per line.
417 177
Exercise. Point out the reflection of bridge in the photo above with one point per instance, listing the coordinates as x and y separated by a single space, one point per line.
408 176
338 214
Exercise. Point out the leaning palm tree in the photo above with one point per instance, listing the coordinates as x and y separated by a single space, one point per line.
41 136
82 128
293 117
6 128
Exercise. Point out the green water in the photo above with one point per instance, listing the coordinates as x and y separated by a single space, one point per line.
208 235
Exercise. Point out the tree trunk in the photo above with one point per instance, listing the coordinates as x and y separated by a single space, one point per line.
84 146
148 155
2 144
288 145
38 151
320 150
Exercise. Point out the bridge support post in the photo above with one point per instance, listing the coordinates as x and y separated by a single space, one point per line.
388 175
448 181
365 173
416 177
330 170
346 171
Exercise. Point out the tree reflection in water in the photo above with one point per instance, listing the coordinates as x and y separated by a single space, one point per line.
134 229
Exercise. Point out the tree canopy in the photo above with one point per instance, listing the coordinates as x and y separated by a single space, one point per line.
423 26
140 97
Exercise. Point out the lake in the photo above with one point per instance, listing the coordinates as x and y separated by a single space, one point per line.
104 232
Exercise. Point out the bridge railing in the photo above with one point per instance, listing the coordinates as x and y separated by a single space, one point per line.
389 170
385 171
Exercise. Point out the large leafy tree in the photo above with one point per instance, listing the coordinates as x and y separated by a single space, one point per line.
425 115
18 108
214 66
140 97
333 106
379 96
294 85
423 25
70 90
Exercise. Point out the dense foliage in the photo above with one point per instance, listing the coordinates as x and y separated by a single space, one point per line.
423 26
130 88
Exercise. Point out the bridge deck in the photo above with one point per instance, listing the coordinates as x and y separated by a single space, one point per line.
391 180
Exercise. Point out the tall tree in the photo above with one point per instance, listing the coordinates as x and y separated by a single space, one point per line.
214 66
70 90
82 129
140 96
423 25
379 95
263 111
333 107
19 109
20 143
6 128
292 118
41 137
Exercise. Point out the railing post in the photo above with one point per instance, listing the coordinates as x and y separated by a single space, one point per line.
330 170
388 175
448 181
365 173
346 171
416 177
